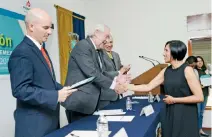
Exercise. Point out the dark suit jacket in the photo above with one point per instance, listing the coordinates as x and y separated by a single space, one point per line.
84 63
111 69
34 86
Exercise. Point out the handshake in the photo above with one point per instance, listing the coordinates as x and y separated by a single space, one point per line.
121 83
122 80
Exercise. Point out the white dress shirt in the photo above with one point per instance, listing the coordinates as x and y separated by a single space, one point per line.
35 42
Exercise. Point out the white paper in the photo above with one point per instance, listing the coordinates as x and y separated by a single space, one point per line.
147 110
110 112
84 133
142 112
113 118
127 118
206 80
120 118
121 133
140 97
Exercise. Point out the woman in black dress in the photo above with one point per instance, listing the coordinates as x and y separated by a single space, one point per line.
183 92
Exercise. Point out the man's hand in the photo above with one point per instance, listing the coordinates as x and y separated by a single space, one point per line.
64 93
122 79
124 69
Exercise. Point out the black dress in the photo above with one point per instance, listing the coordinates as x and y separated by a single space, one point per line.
180 120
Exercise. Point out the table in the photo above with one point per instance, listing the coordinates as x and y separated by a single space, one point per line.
141 126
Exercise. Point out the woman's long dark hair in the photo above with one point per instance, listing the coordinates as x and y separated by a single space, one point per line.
204 68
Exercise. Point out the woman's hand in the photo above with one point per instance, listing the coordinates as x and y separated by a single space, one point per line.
128 86
169 99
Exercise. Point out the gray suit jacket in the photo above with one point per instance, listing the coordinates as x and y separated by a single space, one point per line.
84 63
110 70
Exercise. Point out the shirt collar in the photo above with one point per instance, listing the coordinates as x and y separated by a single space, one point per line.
93 44
35 42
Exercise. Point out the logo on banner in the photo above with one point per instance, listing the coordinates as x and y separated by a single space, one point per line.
27 6
74 37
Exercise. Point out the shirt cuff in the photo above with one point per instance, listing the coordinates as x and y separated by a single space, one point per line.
113 84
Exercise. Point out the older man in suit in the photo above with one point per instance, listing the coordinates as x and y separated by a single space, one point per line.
33 80
85 62
112 68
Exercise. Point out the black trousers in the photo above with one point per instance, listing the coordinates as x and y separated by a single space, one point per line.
74 116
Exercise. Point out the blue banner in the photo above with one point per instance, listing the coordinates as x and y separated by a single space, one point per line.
12 31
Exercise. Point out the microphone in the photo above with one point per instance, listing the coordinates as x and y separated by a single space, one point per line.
150 59
147 60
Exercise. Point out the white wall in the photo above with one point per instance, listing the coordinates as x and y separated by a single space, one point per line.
7 102
207 116
207 119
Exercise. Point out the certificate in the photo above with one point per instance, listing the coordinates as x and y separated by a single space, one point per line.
205 80
83 82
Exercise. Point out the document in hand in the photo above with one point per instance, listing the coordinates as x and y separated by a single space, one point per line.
205 80
83 82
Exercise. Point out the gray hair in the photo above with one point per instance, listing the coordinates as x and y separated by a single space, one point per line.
98 27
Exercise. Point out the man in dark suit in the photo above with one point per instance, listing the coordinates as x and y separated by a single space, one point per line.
112 68
33 80
85 62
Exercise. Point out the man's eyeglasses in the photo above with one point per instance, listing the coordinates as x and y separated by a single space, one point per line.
110 42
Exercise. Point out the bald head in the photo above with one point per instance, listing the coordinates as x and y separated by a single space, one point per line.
38 24
35 15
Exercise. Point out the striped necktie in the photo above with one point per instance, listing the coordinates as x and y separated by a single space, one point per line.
46 58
